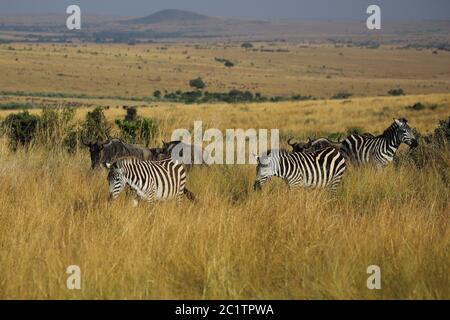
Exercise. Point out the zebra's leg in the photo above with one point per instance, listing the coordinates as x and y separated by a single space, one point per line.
334 185
179 197
150 195
116 186
258 185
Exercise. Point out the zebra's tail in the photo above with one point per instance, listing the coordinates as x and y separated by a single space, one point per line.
190 195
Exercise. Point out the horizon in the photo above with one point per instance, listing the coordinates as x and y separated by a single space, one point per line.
308 10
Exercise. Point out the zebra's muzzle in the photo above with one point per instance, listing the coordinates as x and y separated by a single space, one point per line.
257 186
414 144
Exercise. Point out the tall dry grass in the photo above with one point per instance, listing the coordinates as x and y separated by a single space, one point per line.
232 244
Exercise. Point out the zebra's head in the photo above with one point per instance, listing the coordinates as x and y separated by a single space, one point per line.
264 170
116 180
405 133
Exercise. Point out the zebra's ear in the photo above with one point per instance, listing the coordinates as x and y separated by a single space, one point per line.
256 157
398 122
108 165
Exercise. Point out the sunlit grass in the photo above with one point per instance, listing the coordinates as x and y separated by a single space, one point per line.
232 244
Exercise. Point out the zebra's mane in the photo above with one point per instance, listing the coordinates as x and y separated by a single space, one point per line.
136 158
393 127
123 158
275 151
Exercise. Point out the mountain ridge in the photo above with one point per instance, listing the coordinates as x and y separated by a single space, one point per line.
171 15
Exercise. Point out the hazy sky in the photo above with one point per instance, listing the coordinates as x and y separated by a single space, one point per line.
274 9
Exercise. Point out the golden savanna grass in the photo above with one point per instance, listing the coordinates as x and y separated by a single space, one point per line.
134 71
233 243
300 119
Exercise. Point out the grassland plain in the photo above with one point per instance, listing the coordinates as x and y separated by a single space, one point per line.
269 68
300 118
233 243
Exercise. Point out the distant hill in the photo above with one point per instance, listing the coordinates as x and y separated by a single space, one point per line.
170 15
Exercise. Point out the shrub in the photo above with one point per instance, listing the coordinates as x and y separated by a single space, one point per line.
71 140
16 106
354 130
433 150
131 114
135 129
417 106
95 126
247 45
197 83
342 95
396 92
157 94
442 134
299 97
229 64
20 129
54 127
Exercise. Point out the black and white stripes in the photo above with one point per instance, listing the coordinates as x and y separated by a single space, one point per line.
160 180
380 150
319 169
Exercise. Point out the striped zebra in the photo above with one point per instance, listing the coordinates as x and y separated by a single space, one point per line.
362 149
318 169
160 180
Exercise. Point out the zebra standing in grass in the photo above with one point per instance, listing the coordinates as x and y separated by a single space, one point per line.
317 169
161 180
380 150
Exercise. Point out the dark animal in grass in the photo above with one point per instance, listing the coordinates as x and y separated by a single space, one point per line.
187 154
313 145
108 151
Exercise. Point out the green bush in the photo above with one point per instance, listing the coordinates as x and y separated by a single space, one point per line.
131 114
396 92
441 135
342 95
299 97
197 83
157 94
54 127
20 129
354 130
71 140
95 126
417 106
433 150
135 129
229 64
16 106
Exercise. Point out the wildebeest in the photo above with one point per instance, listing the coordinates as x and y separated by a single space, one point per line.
187 154
313 145
111 149
319 143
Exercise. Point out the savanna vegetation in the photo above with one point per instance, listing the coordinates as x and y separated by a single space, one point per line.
273 69
233 243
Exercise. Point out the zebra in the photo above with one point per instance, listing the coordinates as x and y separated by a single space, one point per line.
160 180
362 149
317 169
